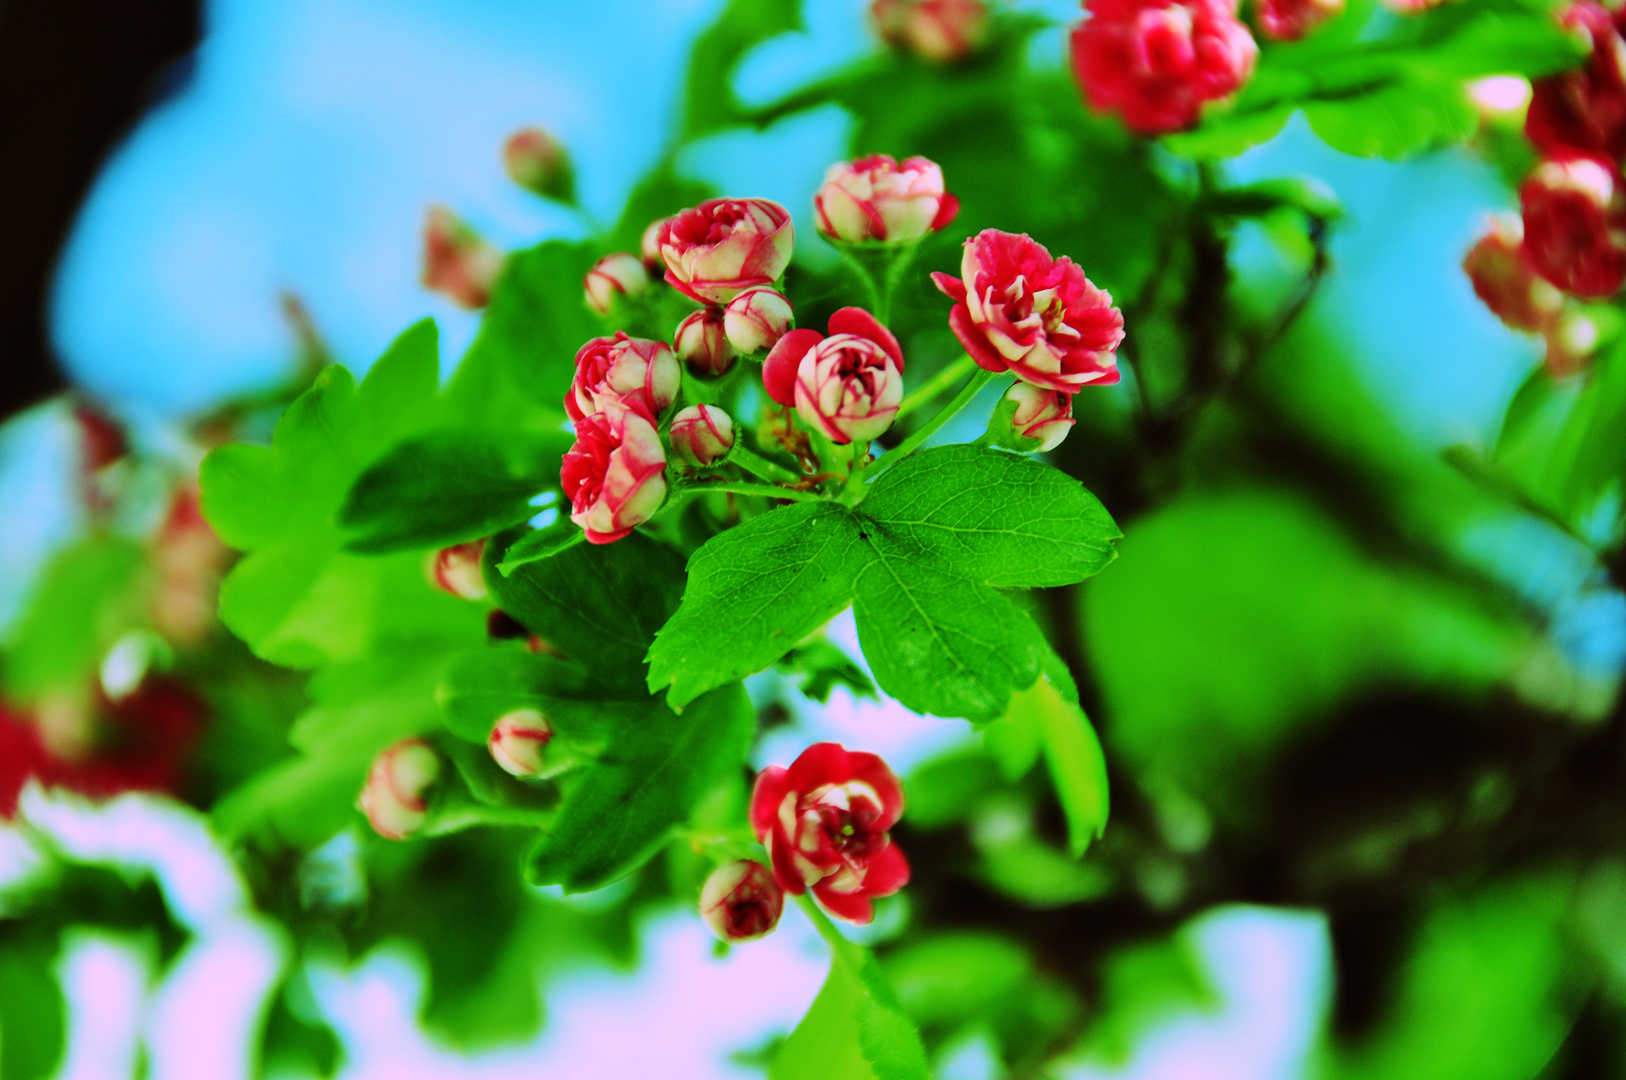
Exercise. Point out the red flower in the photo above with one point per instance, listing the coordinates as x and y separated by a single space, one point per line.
456 261
615 475
1158 61
724 246
1019 310
1575 225
939 30
1502 278
702 434
702 342
824 822
847 385
634 369
1583 110
741 901
875 198
1289 20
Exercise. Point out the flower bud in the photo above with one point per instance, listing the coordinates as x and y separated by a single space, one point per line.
396 798
1290 20
649 245
457 570
741 901
456 262
538 161
517 739
875 198
1157 62
1575 225
614 275
702 342
702 435
622 367
615 475
1037 417
938 30
847 385
825 822
1502 278
718 249
756 319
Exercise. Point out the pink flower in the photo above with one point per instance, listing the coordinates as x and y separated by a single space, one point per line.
723 246
516 742
1502 278
1583 110
1158 61
538 161
741 901
457 570
623 367
824 822
396 798
702 435
756 319
875 198
614 275
1574 225
1290 20
1041 414
456 262
939 30
702 342
1019 310
615 475
847 385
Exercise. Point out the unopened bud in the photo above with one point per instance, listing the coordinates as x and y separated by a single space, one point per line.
702 342
741 901
457 570
614 275
702 435
456 261
1035 418
517 739
396 797
649 246
756 319
538 161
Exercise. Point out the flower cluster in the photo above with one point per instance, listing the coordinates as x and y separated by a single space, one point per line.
1571 241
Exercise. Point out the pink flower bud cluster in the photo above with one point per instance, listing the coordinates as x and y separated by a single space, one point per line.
1157 62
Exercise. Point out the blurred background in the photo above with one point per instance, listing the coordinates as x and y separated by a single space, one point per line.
1360 708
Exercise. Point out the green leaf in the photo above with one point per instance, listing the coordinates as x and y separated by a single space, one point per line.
710 103
855 1029
485 683
819 667
537 320
1396 120
543 543
1078 768
1227 134
598 604
447 487
921 559
753 594
32 1008
88 595
657 769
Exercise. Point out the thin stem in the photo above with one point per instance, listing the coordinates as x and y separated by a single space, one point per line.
761 467
821 922
741 488
936 385
926 430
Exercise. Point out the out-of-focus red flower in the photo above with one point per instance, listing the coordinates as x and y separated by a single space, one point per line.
1583 110
457 263
1157 62
938 30
1502 278
1575 225
1290 20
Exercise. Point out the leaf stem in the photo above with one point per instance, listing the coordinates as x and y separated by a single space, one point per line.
936 385
770 491
974 384
821 922
761 467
